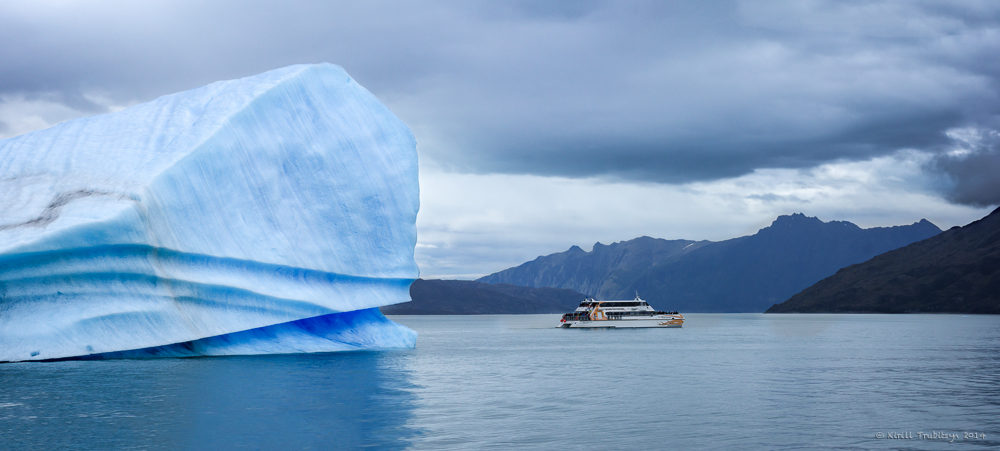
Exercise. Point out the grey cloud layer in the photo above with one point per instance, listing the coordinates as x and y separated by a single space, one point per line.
646 91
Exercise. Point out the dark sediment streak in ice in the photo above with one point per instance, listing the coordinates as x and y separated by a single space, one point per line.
358 330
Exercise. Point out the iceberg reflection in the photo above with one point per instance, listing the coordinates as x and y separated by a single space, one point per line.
344 400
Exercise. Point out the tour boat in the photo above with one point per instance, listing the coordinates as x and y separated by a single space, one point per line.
619 314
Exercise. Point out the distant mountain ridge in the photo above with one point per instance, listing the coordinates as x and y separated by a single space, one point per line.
467 297
607 270
957 271
745 274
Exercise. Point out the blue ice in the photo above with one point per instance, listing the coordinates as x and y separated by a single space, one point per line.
238 209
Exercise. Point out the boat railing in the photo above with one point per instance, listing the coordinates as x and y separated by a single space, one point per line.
586 316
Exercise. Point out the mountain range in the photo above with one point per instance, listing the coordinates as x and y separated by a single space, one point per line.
745 274
956 271
467 297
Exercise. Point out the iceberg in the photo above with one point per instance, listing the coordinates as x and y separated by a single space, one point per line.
269 214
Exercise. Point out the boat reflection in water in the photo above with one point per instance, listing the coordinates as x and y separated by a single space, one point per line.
619 314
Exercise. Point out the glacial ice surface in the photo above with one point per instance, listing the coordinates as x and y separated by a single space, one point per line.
268 214
349 331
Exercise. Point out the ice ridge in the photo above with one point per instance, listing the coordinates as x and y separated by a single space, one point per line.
349 331
233 210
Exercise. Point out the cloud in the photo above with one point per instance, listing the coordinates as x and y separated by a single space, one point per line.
972 166
474 224
546 124
725 98
646 91
21 113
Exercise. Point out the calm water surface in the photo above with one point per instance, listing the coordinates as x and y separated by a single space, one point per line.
724 381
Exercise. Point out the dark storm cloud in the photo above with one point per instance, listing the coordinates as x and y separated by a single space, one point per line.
973 168
641 90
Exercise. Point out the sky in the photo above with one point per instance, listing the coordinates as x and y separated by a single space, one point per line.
542 125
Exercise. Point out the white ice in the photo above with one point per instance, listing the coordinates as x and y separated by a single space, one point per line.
239 205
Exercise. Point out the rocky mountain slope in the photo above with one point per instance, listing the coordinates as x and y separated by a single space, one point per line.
607 270
467 297
956 271
746 274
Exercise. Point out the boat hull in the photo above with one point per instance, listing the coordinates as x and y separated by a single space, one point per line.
631 323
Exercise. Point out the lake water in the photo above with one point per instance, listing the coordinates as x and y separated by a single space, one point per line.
724 381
